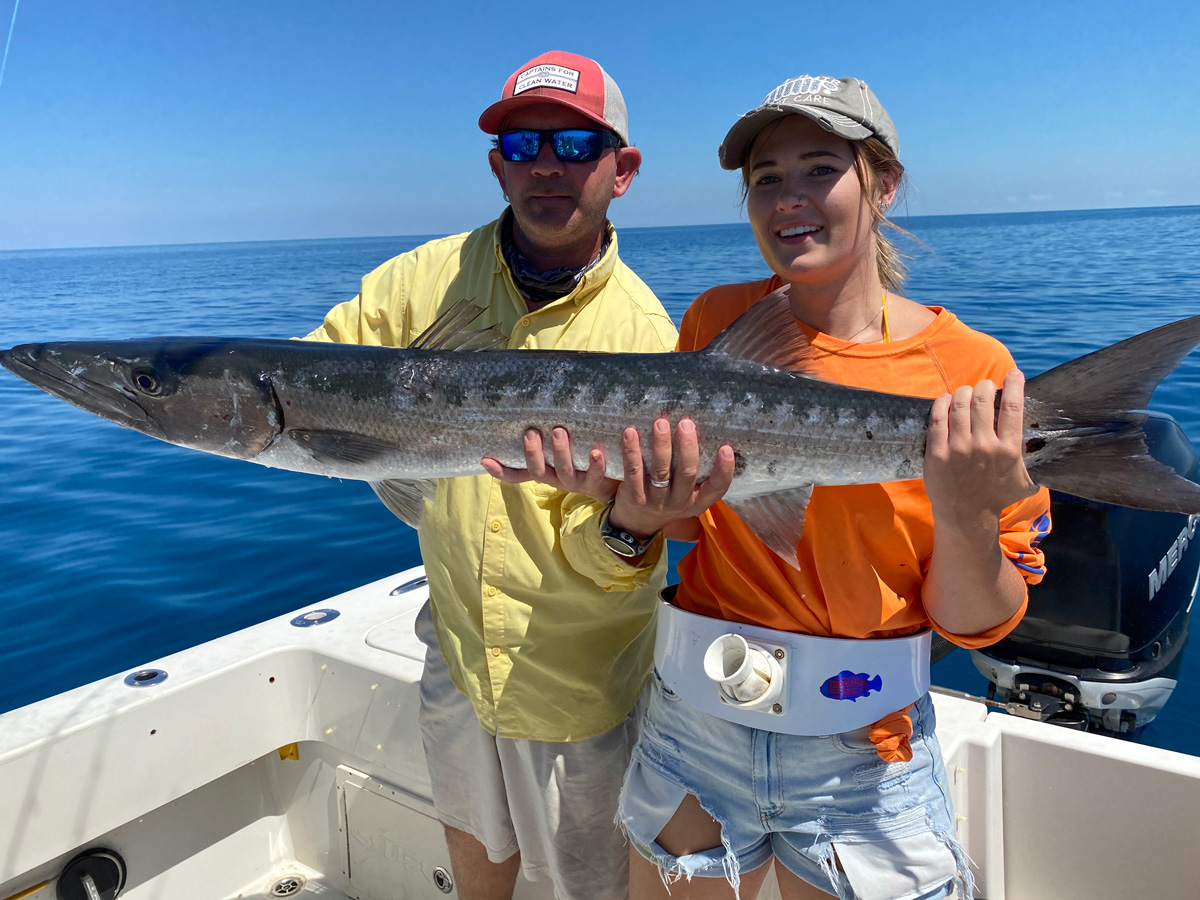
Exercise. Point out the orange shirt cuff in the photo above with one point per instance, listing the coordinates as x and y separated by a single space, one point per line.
989 637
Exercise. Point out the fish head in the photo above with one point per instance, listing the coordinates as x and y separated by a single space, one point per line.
195 392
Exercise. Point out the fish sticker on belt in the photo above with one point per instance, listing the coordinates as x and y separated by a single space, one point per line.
847 685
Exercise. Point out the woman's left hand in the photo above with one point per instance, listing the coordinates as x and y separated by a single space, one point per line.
974 460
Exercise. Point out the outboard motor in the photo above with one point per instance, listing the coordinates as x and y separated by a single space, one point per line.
1102 641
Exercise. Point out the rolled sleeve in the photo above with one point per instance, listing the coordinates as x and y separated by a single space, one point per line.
588 555
989 637
1022 527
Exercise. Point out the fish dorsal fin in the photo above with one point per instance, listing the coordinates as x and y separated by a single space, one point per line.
777 519
406 499
449 331
768 333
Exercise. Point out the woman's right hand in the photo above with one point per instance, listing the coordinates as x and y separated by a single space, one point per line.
647 502
644 502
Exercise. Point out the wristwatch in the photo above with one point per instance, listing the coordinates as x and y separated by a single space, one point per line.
621 542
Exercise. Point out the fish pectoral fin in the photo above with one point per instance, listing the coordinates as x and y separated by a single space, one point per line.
777 519
406 499
340 446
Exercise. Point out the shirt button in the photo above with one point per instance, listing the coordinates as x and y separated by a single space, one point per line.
495 651
491 592
525 321
496 526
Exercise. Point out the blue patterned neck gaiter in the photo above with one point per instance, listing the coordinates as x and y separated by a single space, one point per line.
541 287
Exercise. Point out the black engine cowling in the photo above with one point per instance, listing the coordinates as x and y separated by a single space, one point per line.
1102 641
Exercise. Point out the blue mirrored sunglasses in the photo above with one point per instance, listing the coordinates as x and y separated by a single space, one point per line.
577 145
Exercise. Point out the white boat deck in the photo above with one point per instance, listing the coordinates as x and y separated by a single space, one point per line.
284 751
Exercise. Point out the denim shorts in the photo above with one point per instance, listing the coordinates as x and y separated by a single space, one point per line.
826 807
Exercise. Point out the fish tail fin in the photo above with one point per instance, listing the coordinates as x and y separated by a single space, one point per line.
1085 423
875 684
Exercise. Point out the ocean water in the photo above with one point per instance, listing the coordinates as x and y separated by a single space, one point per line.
116 549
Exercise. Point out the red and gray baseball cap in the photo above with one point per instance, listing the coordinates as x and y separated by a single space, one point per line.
845 106
565 79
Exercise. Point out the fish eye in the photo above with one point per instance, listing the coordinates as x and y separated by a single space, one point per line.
147 382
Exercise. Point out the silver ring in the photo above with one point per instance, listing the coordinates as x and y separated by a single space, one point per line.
660 484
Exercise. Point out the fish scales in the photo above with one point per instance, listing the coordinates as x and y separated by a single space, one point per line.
460 407
388 415
434 414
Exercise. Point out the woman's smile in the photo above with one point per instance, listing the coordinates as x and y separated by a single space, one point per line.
797 231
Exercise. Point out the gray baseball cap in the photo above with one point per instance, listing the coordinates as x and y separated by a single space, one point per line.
844 106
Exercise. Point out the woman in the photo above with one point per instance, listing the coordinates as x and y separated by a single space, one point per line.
864 813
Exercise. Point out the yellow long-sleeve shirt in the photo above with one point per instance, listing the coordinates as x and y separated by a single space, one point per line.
543 651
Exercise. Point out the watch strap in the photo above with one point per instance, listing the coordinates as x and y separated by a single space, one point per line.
620 541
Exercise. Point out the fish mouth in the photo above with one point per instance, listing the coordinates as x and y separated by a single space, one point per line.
36 364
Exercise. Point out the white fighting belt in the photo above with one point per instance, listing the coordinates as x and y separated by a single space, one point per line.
784 681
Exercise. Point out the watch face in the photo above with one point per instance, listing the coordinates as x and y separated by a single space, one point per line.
618 546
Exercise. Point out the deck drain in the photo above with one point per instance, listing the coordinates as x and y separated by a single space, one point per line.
316 617
145 678
442 880
288 886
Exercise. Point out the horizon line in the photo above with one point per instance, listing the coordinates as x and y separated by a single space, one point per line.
432 235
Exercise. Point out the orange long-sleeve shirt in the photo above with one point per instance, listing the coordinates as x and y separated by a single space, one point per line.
865 550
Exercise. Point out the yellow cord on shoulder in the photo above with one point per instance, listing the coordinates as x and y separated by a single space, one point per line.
886 334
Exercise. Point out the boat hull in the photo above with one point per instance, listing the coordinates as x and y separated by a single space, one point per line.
288 756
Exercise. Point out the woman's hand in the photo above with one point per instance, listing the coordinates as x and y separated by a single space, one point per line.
974 461
645 502
974 468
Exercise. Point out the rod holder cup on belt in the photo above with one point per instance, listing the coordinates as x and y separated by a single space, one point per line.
785 681
747 675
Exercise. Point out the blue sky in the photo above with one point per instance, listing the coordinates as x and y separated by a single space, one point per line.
166 122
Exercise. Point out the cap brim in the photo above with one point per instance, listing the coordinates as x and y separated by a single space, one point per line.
493 117
736 146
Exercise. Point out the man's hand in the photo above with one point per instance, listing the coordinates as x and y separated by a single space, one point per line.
563 474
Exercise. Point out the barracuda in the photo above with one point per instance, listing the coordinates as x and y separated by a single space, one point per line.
401 418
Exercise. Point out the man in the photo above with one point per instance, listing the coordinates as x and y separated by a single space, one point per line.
532 669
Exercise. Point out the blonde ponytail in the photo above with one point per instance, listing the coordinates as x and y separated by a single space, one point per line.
873 159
